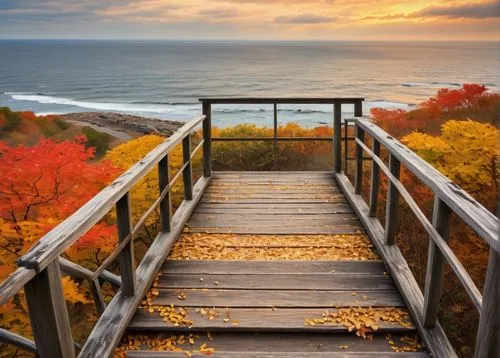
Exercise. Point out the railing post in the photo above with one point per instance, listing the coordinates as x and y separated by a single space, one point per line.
187 172
166 203
358 108
126 260
207 137
48 314
441 219
346 145
337 145
391 210
375 180
275 137
488 334
360 135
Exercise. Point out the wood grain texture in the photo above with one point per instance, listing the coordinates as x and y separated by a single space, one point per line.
17 341
14 283
253 320
299 343
279 298
273 267
48 314
306 282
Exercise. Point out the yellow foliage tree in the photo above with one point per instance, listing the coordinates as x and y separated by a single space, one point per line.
464 152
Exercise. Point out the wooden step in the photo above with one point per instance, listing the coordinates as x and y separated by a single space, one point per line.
273 267
251 320
281 345
306 282
279 298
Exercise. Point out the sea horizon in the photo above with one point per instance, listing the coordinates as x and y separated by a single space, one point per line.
164 78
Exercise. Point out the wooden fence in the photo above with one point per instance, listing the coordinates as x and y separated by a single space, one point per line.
39 272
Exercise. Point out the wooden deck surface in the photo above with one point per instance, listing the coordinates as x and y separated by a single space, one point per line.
244 299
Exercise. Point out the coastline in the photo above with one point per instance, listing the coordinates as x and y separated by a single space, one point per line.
123 127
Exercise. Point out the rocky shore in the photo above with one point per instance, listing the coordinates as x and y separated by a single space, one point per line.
133 126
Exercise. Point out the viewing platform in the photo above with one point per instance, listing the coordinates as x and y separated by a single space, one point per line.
264 263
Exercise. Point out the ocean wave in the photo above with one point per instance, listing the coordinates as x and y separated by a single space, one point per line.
100 106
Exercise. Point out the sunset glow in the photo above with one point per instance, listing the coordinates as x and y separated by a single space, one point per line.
252 19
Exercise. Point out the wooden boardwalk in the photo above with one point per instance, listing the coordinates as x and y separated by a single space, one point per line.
265 305
263 264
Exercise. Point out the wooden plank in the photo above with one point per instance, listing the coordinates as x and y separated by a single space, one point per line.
53 244
126 258
273 196
305 343
338 199
14 283
391 210
280 100
279 298
263 217
233 354
435 338
17 341
374 180
222 221
207 143
358 180
462 203
78 271
166 203
272 267
275 211
109 329
320 282
272 230
253 320
48 314
488 334
441 219
187 173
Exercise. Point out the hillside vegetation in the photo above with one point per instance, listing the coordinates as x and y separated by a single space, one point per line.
50 168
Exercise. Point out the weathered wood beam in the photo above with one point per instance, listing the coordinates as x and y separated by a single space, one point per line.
48 314
488 334
207 139
17 341
337 144
374 180
360 135
280 100
441 219
126 259
187 173
391 210
166 203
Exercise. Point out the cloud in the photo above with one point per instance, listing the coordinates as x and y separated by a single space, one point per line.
475 11
304 19
219 13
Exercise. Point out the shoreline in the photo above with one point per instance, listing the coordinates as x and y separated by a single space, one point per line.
123 127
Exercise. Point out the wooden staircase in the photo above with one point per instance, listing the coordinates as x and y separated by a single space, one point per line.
245 299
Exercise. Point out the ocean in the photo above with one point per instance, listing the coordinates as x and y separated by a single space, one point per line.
165 79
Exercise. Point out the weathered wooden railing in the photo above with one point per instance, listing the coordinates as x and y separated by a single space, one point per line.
275 101
40 268
449 198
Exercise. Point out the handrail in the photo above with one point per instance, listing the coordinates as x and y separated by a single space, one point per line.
449 198
281 100
40 268
337 103
462 203
65 234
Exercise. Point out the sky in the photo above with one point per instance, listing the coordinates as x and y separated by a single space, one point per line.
359 20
